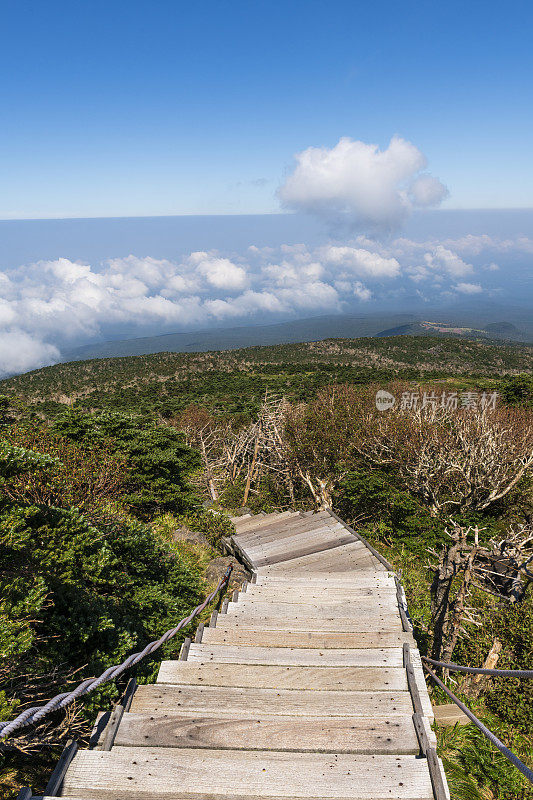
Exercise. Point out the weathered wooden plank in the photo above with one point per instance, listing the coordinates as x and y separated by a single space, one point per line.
273 676
342 627
327 640
356 580
281 533
240 517
272 525
302 734
386 607
57 777
421 682
336 607
230 700
331 563
268 523
326 597
324 623
307 547
295 543
164 773
363 656
449 714
322 534
342 559
253 523
285 535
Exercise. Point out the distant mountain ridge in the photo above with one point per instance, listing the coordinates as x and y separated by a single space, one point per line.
332 326
497 330
302 330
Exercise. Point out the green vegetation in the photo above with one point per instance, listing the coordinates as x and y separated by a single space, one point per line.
235 381
84 579
108 460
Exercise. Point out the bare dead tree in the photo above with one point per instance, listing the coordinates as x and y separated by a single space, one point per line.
267 446
449 591
501 569
453 460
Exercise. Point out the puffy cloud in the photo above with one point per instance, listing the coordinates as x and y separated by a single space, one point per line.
219 272
245 304
361 291
427 191
468 288
442 259
360 185
362 262
49 305
19 352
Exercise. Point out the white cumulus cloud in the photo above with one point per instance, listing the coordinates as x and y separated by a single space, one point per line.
468 288
358 184
20 352
49 306
445 260
219 272
362 262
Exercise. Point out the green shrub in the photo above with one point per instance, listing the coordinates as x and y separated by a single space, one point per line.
389 512
159 461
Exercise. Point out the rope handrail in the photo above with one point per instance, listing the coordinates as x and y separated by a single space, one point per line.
504 673
509 755
33 715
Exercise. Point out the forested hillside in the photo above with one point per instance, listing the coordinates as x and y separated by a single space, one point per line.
235 380
118 475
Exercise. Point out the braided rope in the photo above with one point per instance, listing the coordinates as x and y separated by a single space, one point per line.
504 673
509 755
33 715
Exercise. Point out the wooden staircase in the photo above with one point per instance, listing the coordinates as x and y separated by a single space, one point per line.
299 690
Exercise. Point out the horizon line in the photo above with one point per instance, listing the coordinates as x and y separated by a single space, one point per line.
237 214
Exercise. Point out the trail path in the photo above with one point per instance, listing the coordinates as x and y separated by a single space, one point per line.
308 686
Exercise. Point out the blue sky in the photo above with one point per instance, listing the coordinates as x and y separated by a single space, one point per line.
147 108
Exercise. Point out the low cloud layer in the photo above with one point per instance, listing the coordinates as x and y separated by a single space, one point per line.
49 306
360 186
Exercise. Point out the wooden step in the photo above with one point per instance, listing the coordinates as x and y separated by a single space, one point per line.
278 676
302 734
275 676
284 530
341 559
268 522
303 546
295 639
300 656
164 773
264 520
294 534
226 701
304 625
294 539
358 579
238 517
313 595
336 607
